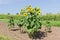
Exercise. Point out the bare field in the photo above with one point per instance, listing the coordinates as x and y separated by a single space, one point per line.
16 35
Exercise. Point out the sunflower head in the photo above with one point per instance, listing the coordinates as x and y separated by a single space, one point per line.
32 10
38 12
37 8
29 8
24 14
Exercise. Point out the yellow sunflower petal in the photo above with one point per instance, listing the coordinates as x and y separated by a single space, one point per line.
24 14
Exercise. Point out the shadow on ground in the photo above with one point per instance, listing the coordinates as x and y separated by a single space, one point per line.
14 29
39 35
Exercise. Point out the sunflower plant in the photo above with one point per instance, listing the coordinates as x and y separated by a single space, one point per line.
48 25
30 19
11 22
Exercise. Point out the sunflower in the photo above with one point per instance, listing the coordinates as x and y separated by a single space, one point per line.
24 14
29 7
37 8
38 12
28 10
32 10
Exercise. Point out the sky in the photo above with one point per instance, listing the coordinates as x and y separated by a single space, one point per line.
14 6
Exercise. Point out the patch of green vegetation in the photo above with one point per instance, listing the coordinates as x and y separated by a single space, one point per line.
53 23
4 20
2 37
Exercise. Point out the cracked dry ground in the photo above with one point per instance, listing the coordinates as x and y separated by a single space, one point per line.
16 35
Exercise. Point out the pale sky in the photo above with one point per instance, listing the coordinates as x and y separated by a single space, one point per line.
14 6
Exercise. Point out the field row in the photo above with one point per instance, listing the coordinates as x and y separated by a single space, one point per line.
53 23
